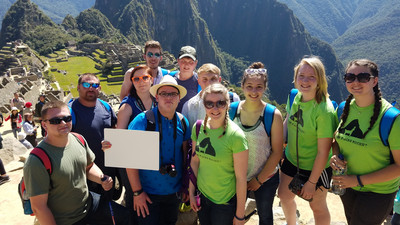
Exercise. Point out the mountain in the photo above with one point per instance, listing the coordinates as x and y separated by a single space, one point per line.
358 29
56 10
265 31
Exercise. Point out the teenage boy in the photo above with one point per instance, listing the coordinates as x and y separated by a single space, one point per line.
187 77
194 109
63 197
153 56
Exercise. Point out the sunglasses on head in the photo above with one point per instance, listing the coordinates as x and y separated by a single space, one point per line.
256 71
143 78
361 77
88 85
57 120
150 55
211 104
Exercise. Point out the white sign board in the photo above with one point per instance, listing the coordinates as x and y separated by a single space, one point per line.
132 149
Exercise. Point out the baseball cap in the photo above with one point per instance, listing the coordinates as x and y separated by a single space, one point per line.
187 51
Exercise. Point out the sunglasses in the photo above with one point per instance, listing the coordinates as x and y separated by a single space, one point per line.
150 55
255 71
218 104
88 85
171 94
143 78
361 77
57 120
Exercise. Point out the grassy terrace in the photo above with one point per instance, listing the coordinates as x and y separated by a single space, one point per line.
79 65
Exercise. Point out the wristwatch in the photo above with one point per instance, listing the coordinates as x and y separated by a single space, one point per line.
137 193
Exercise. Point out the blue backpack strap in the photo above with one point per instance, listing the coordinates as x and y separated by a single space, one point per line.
172 73
292 95
269 111
164 71
106 105
198 88
233 110
335 105
386 124
72 115
183 122
340 109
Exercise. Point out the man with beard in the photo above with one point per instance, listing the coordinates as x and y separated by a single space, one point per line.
153 56
90 116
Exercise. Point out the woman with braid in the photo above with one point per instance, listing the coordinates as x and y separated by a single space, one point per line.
373 169
310 124
219 163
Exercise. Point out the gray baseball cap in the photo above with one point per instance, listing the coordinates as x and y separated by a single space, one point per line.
187 51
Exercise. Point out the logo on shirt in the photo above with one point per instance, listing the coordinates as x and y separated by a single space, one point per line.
352 129
298 115
206 147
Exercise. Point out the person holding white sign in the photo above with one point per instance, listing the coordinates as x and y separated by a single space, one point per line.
155 192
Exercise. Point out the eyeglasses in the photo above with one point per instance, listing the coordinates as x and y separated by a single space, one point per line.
171 94
255 71
57 120
88 85
150 55
218 104
143 78
361 77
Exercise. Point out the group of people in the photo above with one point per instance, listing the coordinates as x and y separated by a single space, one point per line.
237 147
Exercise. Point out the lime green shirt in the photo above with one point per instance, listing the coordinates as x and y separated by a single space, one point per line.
216 174
315 121
368 155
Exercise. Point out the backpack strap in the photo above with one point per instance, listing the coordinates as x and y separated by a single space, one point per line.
340 109
151 121
43 157
183 122
80 138
334 103
386 124
268 118
292 95
198 126
164 71
233 109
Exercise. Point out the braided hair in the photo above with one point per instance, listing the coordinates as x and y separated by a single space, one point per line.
373 67
216 88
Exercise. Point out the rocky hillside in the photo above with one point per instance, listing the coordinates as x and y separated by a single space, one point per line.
253 30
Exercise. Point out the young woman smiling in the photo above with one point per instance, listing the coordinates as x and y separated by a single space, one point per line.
264 151
219 163
373 169
310 123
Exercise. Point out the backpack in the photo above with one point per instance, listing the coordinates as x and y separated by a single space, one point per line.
267 118
151 121
188 174
44 158
104 103
385 125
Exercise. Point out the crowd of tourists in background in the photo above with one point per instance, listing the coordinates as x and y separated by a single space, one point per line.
215 149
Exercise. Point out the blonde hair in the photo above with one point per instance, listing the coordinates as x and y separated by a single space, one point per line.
209 68
319 70
216 88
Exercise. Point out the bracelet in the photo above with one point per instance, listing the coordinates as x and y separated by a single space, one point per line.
258 181
312 182
240 219
137 193
359 181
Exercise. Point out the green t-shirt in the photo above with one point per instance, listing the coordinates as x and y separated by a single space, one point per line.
315 121
368 155
68 193
216 175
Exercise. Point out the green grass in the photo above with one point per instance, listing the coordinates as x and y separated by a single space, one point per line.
75 66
